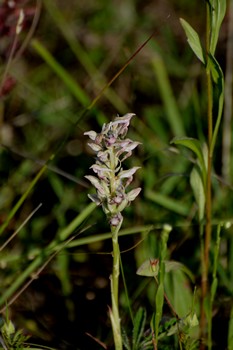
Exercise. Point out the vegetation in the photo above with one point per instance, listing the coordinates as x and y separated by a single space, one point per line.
162 277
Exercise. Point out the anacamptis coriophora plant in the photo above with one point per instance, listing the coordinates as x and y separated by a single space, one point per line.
111 181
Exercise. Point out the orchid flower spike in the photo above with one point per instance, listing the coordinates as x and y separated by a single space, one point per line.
111 180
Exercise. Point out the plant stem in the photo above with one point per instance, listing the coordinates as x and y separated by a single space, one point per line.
114 314
208 228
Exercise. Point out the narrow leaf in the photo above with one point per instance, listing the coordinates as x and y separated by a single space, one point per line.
168 202
125 340
218 78
217 12
139 325
198 191
193 40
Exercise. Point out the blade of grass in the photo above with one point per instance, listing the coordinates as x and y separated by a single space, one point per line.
19 228
68 80
22 199
170 105
168 202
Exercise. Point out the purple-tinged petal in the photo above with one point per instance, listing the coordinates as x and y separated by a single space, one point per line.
122 123
118 198
103 156
110 140
125 119
127 144
116 219
101 170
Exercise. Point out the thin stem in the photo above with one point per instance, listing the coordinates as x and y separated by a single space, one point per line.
116 264
115 318
208 209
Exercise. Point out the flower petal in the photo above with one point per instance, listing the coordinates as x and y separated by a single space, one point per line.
92 134
122 123
133 194
94 199
103 156
128 173
95 147
116 219
96 182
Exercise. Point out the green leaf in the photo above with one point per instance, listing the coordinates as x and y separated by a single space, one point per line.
183 325
193 40
218 79
217 9
168 202
198 191
125 340
196 147
139 325
178 290
213 288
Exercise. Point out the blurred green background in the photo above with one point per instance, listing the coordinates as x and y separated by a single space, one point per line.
46 106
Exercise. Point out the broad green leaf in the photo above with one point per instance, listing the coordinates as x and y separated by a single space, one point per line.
179 292
195 146
193 40
196 182
217 10
218 79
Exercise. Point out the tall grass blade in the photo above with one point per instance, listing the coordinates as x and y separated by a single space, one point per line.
22 199
172 112
67 79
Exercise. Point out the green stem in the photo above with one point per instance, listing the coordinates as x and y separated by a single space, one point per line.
114 314
208 209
